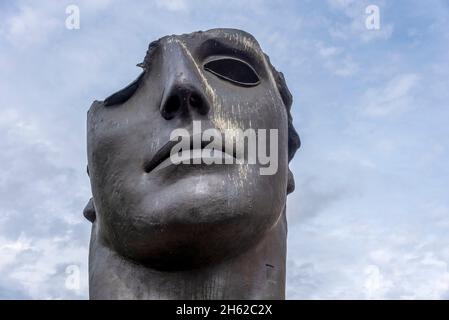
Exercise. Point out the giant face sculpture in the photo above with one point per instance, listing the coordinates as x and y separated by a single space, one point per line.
184 216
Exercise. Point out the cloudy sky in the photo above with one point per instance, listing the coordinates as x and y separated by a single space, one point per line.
370 215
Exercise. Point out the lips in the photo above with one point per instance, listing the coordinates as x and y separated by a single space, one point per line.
162 157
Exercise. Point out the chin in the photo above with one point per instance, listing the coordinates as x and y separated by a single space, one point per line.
196 220
198 232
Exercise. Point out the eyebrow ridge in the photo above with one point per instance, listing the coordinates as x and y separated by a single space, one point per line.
224 43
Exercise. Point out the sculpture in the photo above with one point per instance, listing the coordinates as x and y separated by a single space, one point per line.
189 231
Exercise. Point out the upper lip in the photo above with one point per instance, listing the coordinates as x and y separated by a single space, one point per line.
164 153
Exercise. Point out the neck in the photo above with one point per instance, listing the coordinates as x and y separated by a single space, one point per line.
258 273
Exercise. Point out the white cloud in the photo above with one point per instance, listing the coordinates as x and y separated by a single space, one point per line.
394 97
95 5
347 67
29 26
393 262
173 5
328 51
41 268
375 283
353 26
42 226
341 4
337 61
10 249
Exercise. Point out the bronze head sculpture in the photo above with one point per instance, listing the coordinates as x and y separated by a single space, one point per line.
189 231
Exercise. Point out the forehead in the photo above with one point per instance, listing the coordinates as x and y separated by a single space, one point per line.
214 40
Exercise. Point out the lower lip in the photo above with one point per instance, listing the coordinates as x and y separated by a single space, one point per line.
196 156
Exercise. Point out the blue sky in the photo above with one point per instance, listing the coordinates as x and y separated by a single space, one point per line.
370 215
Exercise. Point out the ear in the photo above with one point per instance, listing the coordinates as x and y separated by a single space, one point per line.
290 182
89 211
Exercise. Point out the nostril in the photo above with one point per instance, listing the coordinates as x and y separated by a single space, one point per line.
197 102
171 106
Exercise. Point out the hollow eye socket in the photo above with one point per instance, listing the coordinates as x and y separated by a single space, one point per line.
233 70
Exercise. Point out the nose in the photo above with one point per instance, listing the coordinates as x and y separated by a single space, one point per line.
183 99
183 94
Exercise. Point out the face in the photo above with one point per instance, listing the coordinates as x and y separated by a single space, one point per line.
187 215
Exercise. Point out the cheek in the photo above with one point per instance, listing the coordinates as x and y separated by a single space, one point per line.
115 156
265 184
258 107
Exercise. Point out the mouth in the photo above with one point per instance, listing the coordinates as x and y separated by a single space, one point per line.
194 155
